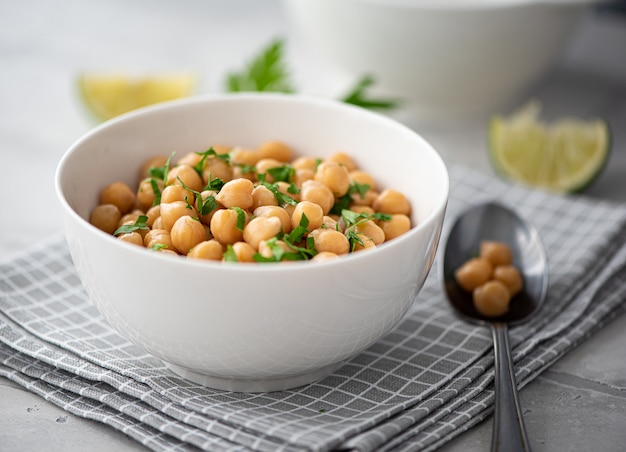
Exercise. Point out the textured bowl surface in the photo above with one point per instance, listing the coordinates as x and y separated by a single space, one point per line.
252 327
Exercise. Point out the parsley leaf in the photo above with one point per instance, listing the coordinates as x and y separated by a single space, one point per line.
241 217
266 72
199 167
230 255
344 202
357 96
284 173
139 225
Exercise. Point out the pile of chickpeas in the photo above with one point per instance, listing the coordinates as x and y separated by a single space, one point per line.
253 205
491 277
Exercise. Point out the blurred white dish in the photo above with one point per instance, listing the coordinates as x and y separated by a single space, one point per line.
440 56
252 327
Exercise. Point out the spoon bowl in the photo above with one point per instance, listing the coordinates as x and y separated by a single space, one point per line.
493 221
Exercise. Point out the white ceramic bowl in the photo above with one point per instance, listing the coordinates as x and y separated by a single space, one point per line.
252 327
441 56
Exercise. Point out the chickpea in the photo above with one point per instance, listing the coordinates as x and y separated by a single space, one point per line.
158 223
176 192
190 158
206 218
367 199
240 172
398 225
491 299
303 175
119 194
158 239
368 243
307 163
216 168
133 238
105 217
275 211
166 251
334 176
498 253
275 150
318 193
172 211
130 218
153 162
392 201
362 178
241 156
261 228
210 249
331 240
330 223
236 193
266 251
153 213
473 273
510 276
324 256
284 187
224 227
343 159
187 175
262 196
371 230
362 209
264 165
313 212
187 233
145 193
244 252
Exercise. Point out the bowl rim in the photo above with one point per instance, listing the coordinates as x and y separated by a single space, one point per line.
437 211
469 5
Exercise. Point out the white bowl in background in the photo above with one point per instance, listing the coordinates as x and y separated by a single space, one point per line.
441 56
254 327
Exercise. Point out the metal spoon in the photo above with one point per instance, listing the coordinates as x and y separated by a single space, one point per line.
493 221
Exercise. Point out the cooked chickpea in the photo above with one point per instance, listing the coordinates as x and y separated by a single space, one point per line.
491 299
187 175
145 193
329 222
368 243
343 159
313 212
130 218
176 192
206 217
266 251
158 239
210 249
105 217
362 178
366 199
334 176
372 230
275 150
498 253
261 228
158 223
132 238
392 201
224 227
216 168
240 172
324 256
236 193
332 241
265 164
303 175
473 273
157 161
307 163
241 156
275 211
398 225
510 276
187 233
120 195
190 158
172 211
318 193
244 252
153 213
367 210
262 196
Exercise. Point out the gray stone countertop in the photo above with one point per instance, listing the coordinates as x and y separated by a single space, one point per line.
577 404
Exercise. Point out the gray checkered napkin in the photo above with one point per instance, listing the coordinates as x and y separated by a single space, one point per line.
419 386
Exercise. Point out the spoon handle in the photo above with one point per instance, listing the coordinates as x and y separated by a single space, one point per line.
509 433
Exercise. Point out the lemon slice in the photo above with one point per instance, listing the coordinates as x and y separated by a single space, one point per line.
108 96
562 157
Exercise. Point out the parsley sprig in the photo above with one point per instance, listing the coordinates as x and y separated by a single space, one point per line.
159 173
300 248
281 197
344 202
353 219
140 224
199 167
358 96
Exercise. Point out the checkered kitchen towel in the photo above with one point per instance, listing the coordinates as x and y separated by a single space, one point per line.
419 386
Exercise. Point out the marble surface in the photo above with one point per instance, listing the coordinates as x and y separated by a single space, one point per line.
577 404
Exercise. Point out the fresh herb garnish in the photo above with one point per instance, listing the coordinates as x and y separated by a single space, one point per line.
139 225
293 241
241 217
344 202
281 198
159 173
230 255
358 96
353 219
199 167
214 184
284 173
158 246
203 206
266 72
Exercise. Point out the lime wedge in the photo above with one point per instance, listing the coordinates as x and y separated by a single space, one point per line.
107 96
563 157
